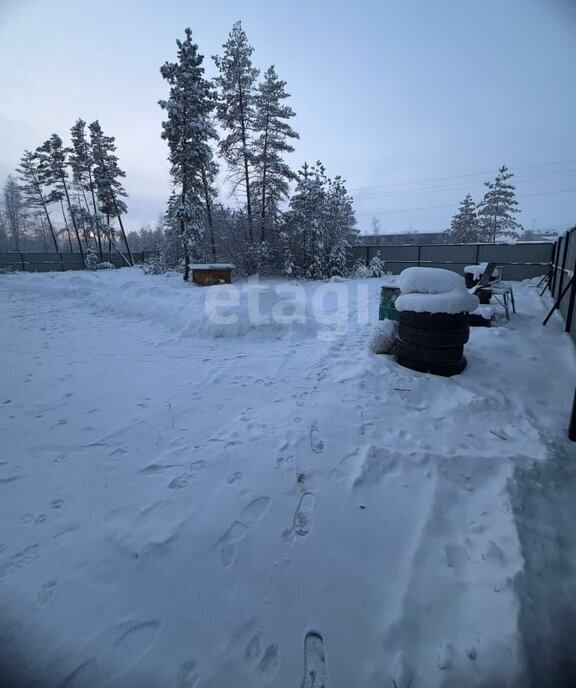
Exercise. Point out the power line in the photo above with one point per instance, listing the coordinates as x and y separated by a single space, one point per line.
458 186
455 205
458 176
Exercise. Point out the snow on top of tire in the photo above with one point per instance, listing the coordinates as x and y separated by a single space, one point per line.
428 281
455 301
434 290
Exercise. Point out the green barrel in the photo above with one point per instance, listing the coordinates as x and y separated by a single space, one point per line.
388 295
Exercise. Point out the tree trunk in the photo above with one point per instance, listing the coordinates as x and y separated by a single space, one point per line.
264 171
245 157
72 215
209 214
66 225
119 216
183 234
96 218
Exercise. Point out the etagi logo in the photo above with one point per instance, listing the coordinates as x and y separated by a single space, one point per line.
322 309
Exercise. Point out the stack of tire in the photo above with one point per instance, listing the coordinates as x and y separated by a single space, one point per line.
433 324
432 342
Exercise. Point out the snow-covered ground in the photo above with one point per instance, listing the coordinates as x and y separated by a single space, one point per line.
203 495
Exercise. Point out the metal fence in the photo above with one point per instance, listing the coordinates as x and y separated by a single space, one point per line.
518 261
60 262
561 279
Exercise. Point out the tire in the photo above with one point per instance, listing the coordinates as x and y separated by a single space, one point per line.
445 370
441 339
433 321
428 355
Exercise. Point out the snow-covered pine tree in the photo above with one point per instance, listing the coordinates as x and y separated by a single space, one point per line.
465 228
30 172
498 207
54 163
321 216
81 163
188 131
340 221
271 125
236 112
377 266
337 263
107 175
305 221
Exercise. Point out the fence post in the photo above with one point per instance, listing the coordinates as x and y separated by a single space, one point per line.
23 262
572 426
555 257
563 268
477 253
572 301
419 247
61 261
367 255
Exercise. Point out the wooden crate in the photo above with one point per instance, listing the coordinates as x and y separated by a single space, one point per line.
211 274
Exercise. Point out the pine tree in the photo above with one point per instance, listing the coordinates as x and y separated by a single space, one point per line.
31 171
497 210
53 157
271 122
236 111
81 163
188 131
107 175
465 228
321 218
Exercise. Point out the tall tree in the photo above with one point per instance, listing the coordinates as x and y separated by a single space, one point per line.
81 163
465 228
271 122
14 211
31 172
498 207
188 130
53 164
107 175
236 111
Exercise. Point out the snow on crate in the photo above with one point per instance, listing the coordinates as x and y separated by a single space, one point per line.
433 290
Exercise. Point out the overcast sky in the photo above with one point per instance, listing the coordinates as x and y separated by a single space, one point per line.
389 94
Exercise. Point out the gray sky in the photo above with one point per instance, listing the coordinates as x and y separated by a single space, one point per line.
388 94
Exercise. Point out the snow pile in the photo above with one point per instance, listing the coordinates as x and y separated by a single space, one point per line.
383 336
433 290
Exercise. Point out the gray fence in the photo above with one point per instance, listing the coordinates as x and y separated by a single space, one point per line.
60 262
518 261
562 282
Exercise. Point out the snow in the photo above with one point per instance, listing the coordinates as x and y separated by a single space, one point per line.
434 290
429 281
194 503
212 266
383 336
456 301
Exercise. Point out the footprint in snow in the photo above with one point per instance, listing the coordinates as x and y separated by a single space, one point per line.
401 671
303 516
46 594
238 530
316 439
133 644
315 668
188 675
